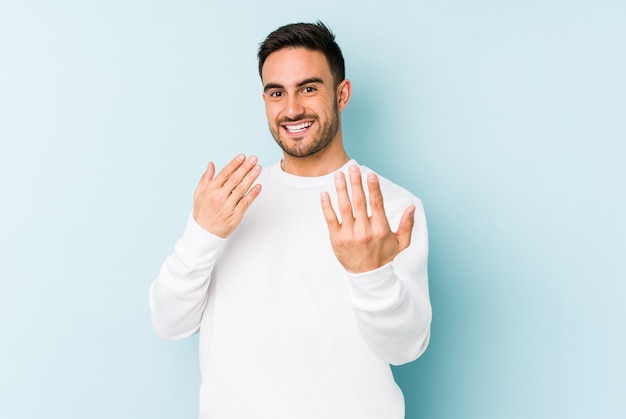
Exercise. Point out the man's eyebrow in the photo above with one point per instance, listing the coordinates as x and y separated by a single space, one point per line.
269 86
310 80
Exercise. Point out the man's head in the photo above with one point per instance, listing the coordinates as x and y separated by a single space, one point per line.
311 36
305 90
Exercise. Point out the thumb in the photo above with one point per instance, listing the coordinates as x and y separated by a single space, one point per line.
406 227
207 176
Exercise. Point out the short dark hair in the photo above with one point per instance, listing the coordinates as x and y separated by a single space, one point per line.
312 36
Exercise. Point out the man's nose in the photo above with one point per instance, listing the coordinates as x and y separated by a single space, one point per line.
295 107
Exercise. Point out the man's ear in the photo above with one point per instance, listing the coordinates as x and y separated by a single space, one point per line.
344 90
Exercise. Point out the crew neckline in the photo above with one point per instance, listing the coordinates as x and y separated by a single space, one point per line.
303 182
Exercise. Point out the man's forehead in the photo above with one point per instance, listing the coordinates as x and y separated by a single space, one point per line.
294 64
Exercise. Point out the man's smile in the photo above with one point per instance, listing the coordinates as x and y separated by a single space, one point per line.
297 128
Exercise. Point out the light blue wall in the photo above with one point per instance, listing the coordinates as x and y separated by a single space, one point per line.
508 118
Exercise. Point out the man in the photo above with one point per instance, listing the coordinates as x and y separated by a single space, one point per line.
302 293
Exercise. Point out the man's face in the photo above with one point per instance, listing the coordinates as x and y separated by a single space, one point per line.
300 101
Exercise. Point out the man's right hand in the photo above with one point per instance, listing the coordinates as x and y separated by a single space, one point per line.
219 203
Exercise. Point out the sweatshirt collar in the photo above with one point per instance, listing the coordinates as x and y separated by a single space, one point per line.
304 182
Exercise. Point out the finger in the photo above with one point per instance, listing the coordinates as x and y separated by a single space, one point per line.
406 227
248 198
207 176
359 202
229 169
377 204
244 185
205 179
343 199
329 213
235 179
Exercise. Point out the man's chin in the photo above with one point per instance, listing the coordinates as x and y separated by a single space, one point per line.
301 147
293 146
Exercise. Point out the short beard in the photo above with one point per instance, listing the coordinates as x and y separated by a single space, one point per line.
322 139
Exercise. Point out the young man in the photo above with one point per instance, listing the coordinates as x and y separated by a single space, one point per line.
302 293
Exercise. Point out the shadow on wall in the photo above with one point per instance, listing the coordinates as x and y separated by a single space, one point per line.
423 381
364 129
374 137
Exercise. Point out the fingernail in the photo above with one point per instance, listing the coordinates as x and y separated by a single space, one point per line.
253 159
354 169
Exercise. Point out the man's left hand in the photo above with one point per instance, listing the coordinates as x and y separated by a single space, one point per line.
362 242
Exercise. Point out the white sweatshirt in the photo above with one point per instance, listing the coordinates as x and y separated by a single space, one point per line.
285 331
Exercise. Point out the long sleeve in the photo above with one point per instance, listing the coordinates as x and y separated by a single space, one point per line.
392 305
178 296
282 326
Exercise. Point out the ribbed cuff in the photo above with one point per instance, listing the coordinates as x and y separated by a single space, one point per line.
374 291
198 241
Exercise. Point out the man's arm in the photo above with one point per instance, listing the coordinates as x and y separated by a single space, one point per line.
179 294
387 270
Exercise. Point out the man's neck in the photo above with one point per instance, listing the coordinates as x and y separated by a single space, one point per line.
317 165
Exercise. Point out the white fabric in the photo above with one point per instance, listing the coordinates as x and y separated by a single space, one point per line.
285 331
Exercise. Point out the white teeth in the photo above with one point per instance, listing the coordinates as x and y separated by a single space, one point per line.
299 127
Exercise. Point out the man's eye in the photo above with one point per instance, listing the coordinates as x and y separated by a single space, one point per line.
309 89
276 94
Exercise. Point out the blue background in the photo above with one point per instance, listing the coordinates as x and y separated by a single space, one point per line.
508 118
